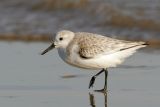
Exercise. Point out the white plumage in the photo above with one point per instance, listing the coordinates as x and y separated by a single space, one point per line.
93 51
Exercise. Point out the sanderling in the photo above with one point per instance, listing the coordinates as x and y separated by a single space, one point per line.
92 51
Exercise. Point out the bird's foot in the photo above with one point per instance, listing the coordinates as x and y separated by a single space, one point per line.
104 90
92 81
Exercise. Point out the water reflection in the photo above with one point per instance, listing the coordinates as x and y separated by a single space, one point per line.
92 99
67 76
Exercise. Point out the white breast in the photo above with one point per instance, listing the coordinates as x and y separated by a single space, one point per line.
101 61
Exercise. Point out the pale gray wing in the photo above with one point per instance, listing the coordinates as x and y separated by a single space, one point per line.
93 45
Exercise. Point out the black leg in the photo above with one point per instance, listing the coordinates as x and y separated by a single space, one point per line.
106 75
94 77
105 84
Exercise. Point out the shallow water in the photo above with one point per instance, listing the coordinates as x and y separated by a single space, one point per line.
119 18
29 79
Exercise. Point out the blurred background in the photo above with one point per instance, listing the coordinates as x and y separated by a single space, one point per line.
36 20
29 79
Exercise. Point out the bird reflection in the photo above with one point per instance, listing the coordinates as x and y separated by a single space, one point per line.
92 100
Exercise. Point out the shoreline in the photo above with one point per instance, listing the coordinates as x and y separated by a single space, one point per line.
48 38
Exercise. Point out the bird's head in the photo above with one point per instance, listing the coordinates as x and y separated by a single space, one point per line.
62 39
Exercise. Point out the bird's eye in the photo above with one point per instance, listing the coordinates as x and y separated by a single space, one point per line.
60 38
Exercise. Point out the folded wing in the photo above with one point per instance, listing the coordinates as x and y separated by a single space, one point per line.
94 45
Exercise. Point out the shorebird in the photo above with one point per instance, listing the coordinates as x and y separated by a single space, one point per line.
93 51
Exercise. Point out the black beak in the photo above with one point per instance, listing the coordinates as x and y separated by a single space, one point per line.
48 49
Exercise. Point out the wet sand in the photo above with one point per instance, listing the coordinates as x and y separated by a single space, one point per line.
29 79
